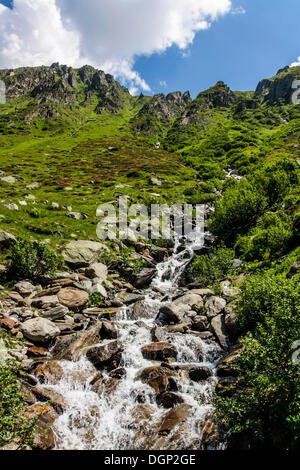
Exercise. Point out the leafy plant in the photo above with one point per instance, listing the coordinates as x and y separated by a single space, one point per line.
12 424
32 259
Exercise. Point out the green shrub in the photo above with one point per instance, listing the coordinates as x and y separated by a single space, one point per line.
12 424
208 269
32 259
264 407
237 211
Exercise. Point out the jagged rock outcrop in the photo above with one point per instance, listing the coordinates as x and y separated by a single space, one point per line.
279 87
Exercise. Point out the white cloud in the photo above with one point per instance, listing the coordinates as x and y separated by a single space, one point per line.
296 64
108 34
163 83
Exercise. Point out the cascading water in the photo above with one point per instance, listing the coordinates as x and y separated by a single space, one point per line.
110 420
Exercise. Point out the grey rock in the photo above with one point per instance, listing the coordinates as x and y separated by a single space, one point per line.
55 313
39 330
214 306
220 330
82 253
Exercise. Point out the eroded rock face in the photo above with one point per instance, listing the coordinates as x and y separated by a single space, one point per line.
159 351
39 330
72 298
108 355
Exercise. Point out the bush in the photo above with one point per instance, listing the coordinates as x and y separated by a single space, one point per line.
12 424
237 211
32 259
264 407
208 269
270 237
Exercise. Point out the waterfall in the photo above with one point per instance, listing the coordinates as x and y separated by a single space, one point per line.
107 421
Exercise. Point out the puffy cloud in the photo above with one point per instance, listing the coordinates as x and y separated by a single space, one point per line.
296 64
108 34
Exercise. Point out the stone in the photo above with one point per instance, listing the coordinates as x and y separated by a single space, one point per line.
144 278
199 373
158 253
72 298
97 270
48 394
237 263
108 355
24 288
157 334
99 289
180 327
45 416
72 346
7 323
108 330
6 239
55 313
161 379
219 328
118 373
189 300
48 301
174 417
49 372
36 351
169 399
169 314
141 310
225 368
214 306
232 323
39 330
11 207
132 298
8 179
159 351
82 253
155 181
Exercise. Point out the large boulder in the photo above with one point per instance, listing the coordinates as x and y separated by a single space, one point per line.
24 288
55 313
214 306
161 379
47 301
144 277
49 372
169 314
97 270
72 298
174 417
82 253
39 330
188 301
107 355
159 351
70 347
199 373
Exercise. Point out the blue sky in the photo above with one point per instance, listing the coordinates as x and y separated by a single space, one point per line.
239 49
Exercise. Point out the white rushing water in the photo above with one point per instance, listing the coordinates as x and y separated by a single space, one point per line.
126 416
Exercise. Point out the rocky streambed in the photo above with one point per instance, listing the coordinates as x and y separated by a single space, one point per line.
139 372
